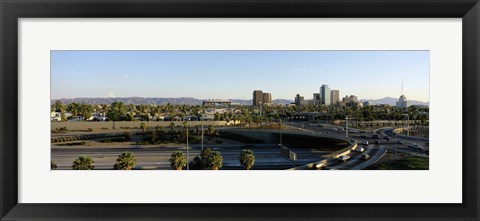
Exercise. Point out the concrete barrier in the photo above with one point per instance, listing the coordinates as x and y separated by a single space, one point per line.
310 166
127 124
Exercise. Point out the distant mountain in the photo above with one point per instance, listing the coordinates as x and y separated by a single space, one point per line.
392 101
156 101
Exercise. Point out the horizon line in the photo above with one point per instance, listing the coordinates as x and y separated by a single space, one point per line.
362 99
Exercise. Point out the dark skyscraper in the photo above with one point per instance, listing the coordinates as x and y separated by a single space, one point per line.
257 97
267 98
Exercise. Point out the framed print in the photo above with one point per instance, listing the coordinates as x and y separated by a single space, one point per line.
180 110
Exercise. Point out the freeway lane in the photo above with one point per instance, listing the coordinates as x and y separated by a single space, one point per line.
267 156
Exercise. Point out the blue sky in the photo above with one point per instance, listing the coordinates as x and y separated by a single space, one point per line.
235 74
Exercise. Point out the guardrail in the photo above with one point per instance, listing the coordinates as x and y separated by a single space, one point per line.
335 154
310 166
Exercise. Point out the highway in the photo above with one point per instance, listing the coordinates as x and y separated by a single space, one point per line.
375 151
156 157
267 156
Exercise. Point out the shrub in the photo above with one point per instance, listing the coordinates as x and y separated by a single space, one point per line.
53 166
127 136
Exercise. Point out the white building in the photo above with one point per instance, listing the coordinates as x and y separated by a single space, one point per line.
402 102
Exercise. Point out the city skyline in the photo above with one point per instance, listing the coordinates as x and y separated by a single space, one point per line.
235 74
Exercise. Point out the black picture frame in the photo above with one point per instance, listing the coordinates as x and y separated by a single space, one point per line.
12 10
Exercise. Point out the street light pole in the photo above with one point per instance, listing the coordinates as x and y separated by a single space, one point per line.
260 108
188 158
416 135
281 132
395 145
408 124
346 125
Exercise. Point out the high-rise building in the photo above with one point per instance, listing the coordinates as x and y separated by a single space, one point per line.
298 100
351 101
325 95
316 98
257 97
334 97
267 98
402 102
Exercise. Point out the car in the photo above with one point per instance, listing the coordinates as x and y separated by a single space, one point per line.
365 143
375 136
319 166
399 142
365 156
363 132
335 129
363 136
360 149
343 158
377 142
386 137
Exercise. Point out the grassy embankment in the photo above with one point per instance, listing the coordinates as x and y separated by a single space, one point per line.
411 163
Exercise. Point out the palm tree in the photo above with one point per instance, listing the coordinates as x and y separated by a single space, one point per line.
204 156
211 130
178 160
125 161
247 159
53 166
215 160
83 163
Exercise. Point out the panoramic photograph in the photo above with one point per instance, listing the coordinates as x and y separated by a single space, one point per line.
239 110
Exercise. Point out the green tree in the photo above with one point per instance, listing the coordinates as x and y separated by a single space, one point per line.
172 125
247 159
204 157
116 111
58 106
196 164
177 160
215 160
129 117
86 111
125 161
211 130
127 136
53 166
62 117
143 126
83 163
